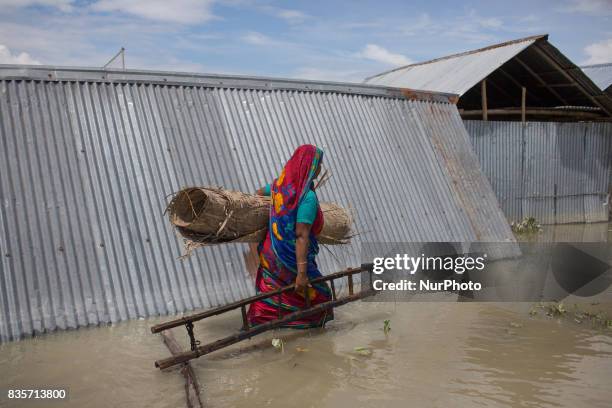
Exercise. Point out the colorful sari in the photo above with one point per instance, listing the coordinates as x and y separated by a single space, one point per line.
277 260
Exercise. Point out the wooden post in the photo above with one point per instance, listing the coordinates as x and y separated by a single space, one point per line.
333 289
245 318
523 103
484 99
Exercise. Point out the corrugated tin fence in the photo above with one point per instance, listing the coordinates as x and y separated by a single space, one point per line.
88 157
556 172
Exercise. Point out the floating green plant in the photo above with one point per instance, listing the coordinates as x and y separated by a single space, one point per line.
557 309
387 326
526 226
278 344
364 351
598 319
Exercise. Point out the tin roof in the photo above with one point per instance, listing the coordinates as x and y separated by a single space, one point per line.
550 78
601 74
88 157
455 73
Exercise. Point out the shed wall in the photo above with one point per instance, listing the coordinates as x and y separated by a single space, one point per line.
85 167
558 173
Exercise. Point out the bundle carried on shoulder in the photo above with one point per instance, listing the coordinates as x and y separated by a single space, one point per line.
208 216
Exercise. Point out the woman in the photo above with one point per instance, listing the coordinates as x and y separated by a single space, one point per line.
287 254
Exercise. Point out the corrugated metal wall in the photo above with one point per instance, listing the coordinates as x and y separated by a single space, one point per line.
556 172
85 166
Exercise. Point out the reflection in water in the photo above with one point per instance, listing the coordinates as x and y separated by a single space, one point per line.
436 355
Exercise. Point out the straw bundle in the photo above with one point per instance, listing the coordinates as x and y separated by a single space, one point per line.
207 216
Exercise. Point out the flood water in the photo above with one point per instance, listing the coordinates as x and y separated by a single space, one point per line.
436 355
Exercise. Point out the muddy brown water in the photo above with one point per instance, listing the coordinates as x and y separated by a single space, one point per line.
436 355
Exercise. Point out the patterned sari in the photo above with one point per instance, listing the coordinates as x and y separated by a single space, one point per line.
277 259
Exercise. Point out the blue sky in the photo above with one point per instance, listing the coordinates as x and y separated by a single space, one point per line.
333 40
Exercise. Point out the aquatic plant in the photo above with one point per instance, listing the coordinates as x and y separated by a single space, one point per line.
387 326
557 309
526 226
364 351
598 319
278 344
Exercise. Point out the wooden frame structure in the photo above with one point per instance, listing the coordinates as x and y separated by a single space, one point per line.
522 79
558 90
197 350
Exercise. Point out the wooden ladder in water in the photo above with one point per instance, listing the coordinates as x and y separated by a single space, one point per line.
197 350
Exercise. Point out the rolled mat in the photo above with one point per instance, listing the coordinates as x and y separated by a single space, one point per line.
209 216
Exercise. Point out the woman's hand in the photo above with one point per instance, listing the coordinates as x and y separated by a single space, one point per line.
301 283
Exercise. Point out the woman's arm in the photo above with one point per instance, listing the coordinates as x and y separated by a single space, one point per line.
302 241
263 191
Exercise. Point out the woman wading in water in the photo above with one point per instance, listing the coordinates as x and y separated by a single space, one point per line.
287 254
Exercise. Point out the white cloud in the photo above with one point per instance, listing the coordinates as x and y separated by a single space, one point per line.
379 54
599 52
175 11
592 7
491 22
255 38
6 57
62 5
292 16
259 39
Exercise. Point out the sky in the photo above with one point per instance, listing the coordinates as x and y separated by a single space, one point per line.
337 40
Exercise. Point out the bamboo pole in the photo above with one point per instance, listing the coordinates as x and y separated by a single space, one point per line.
523 103
555 64
485 115
541 81
535 111
192 387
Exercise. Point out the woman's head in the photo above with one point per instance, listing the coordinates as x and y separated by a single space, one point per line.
299 172
309 157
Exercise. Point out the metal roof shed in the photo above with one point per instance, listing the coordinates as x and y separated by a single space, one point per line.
87 157
601 75
514 79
